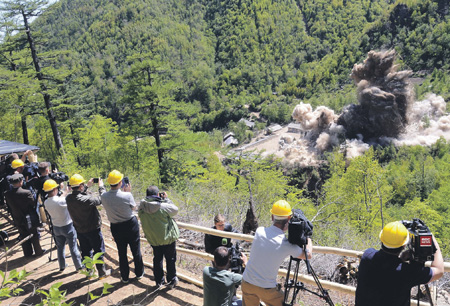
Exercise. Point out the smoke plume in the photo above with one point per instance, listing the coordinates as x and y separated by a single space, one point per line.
386 112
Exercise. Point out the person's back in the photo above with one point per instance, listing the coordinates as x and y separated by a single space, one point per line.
155 215
387 281
269 248
83 210
219 286
384 279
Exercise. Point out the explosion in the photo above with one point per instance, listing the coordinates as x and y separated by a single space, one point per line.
386 112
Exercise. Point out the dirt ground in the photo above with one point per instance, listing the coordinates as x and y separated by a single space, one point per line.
44 273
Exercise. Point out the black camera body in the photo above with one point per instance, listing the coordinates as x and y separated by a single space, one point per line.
236 263
421 245
59 177
299 228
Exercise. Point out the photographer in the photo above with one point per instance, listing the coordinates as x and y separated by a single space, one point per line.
384 279
269 248
63 229
119 206
213 242
219 284
86 219
156 213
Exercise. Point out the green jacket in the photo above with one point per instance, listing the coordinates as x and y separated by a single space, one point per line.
156 220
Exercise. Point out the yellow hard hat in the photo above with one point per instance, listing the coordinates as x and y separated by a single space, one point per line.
76 180
49 185
281 208
394 235
17 163
114 177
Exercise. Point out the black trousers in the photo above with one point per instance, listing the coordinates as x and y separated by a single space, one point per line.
168 252
31 244
92 241
127 233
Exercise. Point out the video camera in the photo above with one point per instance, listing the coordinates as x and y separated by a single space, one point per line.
299 229
421 245
236 263
58 177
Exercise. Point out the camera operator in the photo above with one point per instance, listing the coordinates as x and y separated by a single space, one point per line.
156 212
63 229
269 248
213 242
119 206
384 279
219 284
82 207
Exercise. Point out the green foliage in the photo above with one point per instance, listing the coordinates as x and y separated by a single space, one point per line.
11 282
54 296
89 272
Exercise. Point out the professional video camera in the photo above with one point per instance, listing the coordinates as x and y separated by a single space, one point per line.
299 228
421 245
59 177
236 263
30 170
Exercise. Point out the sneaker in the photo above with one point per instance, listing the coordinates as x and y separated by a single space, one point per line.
103 276
159 285
139 277
124 281
173 283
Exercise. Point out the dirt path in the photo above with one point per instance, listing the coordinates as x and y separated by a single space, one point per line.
44 273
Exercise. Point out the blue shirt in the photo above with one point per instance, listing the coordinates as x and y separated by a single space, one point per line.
384 280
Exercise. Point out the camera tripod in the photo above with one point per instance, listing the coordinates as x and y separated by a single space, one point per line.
295 285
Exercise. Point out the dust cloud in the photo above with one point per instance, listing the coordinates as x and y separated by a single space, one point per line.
386 112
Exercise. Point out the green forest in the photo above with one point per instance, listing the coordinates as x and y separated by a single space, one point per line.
150 87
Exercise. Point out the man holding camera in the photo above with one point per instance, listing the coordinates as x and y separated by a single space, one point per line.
119 206
219 284
384 279
86 219
63 229
156 213
269 248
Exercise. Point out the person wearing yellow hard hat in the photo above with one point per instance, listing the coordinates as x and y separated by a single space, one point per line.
120 206
82 206
63 230
384 279
269 248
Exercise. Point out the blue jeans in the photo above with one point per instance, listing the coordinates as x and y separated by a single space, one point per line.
67 234
127 233
92 241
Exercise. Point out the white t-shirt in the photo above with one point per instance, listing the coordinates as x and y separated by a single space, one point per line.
57 208
269 248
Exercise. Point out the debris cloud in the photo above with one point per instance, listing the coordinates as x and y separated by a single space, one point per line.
386 112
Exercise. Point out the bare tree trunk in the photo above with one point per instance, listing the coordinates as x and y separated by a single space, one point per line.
48 104
251 223
25 130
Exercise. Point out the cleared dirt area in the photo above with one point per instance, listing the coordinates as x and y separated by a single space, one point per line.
44 273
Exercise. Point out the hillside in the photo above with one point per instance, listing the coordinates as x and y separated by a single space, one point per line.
151 87
224 55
